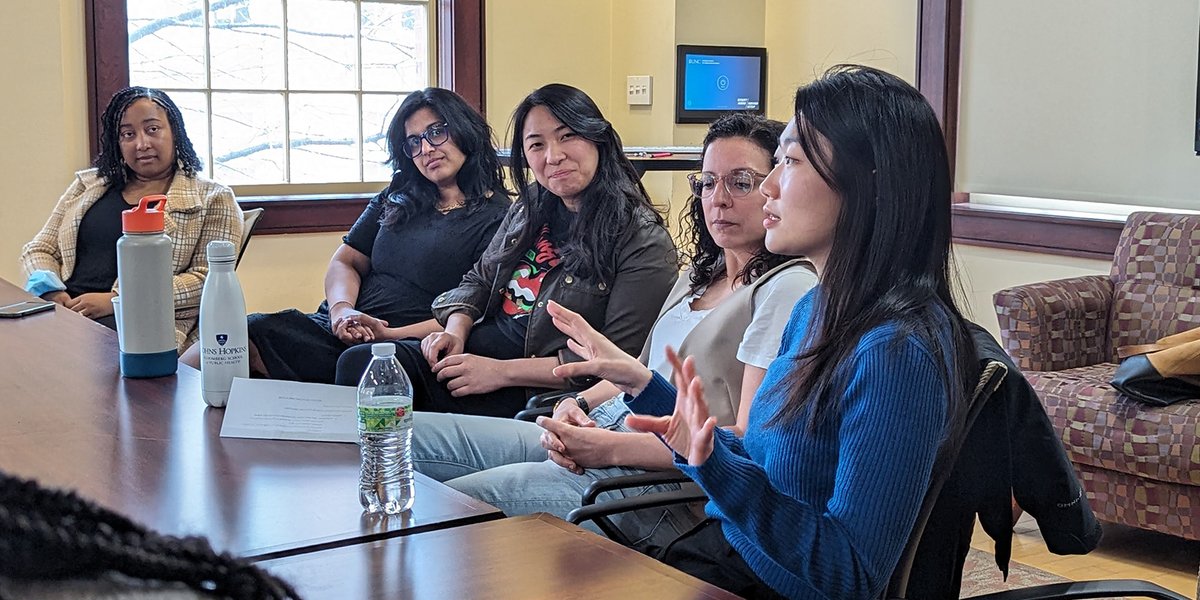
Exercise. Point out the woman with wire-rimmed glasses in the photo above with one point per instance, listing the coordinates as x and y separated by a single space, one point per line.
414 241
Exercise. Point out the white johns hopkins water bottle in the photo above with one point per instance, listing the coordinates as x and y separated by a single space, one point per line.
224 349
385 483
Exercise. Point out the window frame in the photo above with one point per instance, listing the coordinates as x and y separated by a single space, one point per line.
939 52
460 67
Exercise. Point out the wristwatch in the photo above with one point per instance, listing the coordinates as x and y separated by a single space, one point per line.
579 401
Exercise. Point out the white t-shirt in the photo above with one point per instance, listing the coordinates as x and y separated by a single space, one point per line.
760 343
772 308
671 329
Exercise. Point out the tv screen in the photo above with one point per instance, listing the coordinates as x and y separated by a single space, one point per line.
713 80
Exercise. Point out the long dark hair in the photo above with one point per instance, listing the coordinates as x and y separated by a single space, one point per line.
876 142
609 206
111 164
480 177
701 251
39 527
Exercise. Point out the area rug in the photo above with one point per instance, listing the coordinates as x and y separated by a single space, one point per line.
981 576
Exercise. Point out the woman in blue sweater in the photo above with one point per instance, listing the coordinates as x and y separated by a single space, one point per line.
820 495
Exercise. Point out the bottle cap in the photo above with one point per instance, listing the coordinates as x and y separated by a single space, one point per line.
383 350
143 218
221 251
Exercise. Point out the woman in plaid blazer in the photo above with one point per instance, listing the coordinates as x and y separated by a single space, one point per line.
144 150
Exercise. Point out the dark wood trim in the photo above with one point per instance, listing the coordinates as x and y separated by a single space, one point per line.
461 50
939 52
306 214
1032 230
106 40
460 68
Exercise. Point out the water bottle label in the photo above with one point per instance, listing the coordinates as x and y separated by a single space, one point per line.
222 352
384 419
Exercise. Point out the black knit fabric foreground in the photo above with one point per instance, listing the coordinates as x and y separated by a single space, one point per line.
52 534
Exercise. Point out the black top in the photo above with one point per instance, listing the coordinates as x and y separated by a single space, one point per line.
525 282
414 262
96 245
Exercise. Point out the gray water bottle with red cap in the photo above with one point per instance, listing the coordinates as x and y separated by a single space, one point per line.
146 323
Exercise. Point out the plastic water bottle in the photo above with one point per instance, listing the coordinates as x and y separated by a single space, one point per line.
224 348
385 483
146 325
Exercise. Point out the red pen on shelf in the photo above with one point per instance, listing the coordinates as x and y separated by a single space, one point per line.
659 154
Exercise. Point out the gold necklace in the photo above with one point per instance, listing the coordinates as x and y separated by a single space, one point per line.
447 209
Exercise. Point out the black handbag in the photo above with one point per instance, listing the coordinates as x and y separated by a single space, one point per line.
1162 373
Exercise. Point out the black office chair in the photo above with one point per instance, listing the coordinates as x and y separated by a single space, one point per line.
990 380
250 219
543 404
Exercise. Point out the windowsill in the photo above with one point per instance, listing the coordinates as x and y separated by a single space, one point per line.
1048 226
310 213
1036 230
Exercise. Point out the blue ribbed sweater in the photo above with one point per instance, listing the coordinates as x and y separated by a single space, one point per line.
826 513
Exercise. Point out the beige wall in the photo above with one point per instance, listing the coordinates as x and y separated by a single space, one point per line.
1080 99
805 37
43 115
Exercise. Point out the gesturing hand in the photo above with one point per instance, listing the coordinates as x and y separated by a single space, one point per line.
467 374
689 430
602 358
440 345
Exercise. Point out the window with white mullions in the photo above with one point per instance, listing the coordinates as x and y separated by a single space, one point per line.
284 91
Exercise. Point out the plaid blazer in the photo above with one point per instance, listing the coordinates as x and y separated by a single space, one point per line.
198 212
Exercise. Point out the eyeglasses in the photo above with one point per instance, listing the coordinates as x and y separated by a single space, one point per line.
738 183
436 135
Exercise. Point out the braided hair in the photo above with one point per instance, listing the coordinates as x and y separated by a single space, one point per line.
109 162
39 526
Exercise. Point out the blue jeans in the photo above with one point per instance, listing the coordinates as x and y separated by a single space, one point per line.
502 462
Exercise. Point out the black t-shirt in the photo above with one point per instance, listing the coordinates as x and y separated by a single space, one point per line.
414 262
96 245
525 281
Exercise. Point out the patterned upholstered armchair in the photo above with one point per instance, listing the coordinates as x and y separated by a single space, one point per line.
1139 464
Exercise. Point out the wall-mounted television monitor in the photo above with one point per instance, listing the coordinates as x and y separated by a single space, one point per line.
713 80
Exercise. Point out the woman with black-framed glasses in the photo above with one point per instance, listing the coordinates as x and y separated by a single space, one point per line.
414 241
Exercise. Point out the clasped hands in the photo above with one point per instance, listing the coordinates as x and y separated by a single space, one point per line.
93 305
355 327
571 438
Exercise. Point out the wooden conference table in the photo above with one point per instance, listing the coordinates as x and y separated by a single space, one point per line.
535 556
150 448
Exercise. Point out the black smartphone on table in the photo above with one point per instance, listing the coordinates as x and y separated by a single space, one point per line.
23 309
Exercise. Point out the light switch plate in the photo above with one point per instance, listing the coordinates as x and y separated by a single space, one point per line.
638 89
